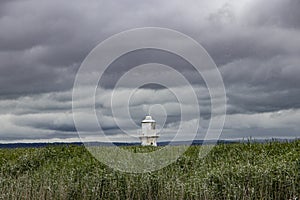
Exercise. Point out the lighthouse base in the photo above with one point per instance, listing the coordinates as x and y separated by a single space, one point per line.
149 140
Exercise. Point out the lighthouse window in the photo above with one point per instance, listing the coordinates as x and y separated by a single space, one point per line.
153 125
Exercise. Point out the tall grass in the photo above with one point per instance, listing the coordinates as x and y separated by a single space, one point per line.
229 171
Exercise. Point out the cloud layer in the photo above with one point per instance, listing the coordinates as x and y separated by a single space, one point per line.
255 44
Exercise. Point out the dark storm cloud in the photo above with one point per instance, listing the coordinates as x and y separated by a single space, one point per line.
42 45
56 102
276 74
258 101
62 128
139 57
277 13
255 44
53 40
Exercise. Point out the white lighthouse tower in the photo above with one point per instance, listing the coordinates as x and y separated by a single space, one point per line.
149 136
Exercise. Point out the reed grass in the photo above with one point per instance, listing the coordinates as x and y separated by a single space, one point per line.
230 171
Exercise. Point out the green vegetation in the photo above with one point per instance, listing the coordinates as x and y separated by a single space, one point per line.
230 171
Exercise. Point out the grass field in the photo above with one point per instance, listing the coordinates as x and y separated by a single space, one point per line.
230 171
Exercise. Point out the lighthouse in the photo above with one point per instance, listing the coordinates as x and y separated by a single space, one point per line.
149 135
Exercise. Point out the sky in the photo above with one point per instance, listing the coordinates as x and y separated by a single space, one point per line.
255 45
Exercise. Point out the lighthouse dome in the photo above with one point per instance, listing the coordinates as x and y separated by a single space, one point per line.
148 119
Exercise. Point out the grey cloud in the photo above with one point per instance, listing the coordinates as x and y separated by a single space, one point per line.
278 73
278 13
255 44
258 101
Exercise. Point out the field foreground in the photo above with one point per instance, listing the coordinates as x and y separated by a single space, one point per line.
230 171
